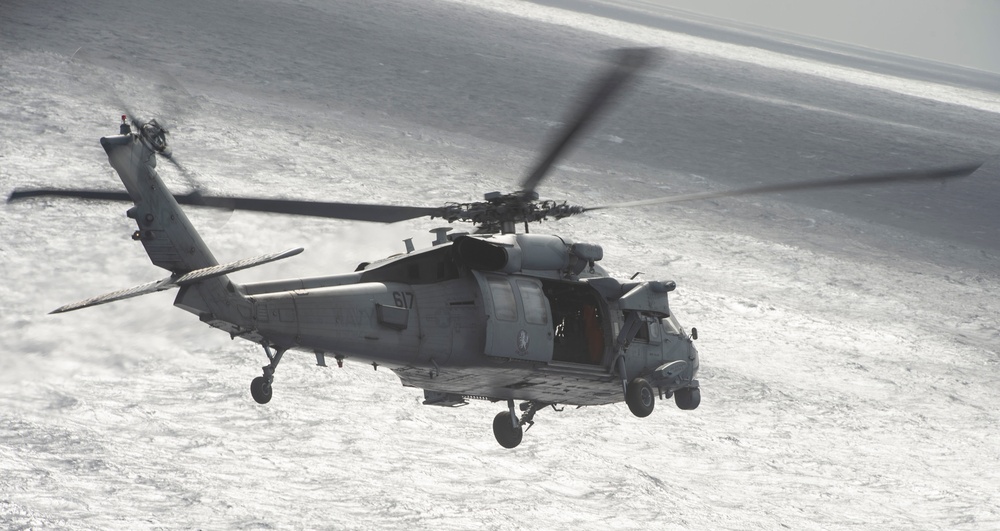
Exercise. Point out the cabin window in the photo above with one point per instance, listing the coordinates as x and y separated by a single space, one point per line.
534 302
504 304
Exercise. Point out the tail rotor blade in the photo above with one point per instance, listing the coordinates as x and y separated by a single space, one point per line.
188 176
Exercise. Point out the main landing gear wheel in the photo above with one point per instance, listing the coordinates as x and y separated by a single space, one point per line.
639 397
260 389
688 398
503 428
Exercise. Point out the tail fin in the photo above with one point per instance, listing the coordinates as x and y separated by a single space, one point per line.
168 237
166 233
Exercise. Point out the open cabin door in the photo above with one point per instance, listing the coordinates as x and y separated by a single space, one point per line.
519 320
582 326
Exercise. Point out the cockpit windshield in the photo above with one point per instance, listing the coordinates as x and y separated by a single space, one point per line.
671 326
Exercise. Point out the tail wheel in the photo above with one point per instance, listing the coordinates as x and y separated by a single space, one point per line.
260 389
503 428
640 398
687 399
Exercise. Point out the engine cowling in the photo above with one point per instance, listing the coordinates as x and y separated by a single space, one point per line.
519 253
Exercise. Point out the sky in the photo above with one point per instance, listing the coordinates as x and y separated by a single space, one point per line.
960 32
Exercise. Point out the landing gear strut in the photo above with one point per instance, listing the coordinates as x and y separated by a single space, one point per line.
260 387
508 428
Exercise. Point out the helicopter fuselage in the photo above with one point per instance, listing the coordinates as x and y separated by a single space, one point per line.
504 332
501 317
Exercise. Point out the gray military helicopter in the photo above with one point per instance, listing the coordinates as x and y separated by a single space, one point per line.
495 315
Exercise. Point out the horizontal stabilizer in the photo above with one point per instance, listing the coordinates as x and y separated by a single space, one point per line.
193 277
127 293
224 269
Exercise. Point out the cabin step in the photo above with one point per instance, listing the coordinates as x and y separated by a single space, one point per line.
576 369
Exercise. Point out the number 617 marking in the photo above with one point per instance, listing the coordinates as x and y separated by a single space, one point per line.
403 299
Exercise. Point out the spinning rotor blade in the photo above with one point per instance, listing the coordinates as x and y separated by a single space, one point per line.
835 182
137 124
350 211
627 61
188 176
133 120
322 209
100 195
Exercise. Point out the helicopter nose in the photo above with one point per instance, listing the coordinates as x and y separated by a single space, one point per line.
693 359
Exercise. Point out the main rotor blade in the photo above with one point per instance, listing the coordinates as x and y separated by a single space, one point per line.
627 62
936 174
351 211
99 195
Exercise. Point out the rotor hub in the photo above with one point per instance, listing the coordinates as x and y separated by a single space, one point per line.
499 210
154 136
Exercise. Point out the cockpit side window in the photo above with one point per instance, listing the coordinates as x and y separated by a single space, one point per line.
654 332
643 333
649 331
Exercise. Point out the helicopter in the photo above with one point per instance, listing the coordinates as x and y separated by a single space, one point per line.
495 314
